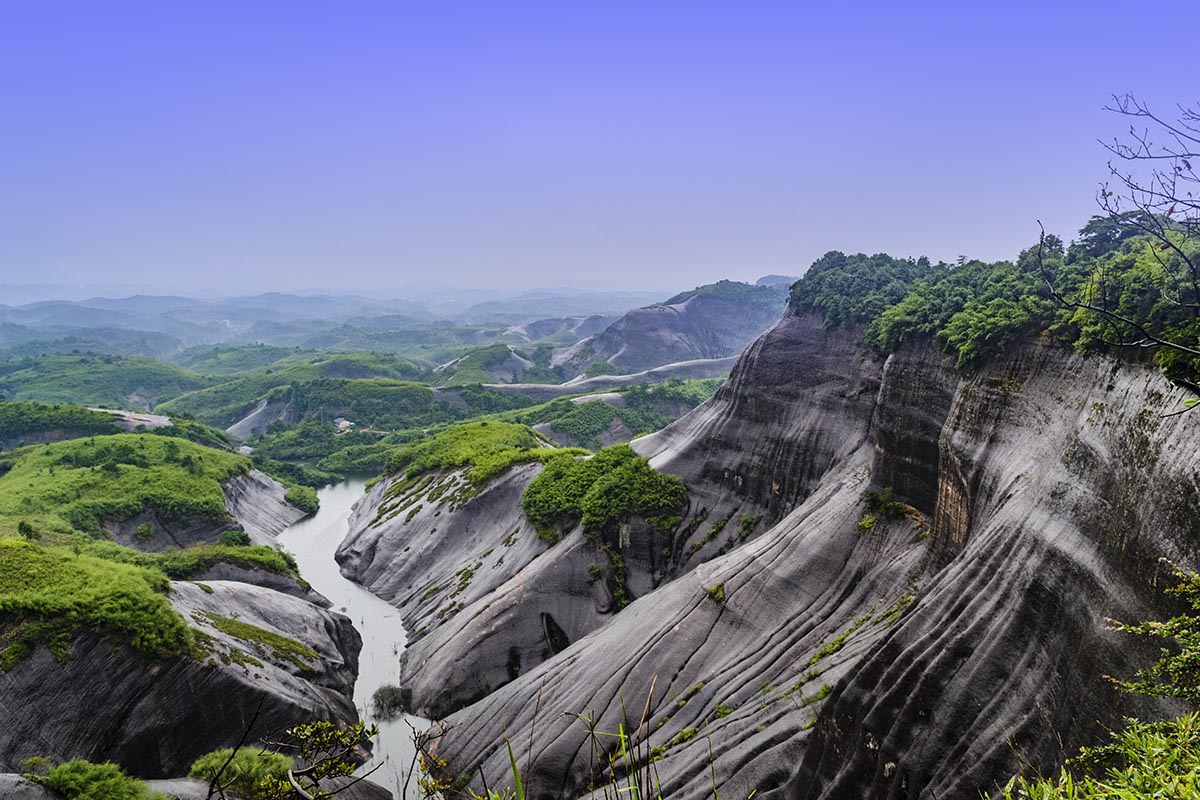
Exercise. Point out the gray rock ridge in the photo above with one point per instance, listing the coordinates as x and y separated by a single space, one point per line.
192 789
485 600
930 655
701 326
684 370
256 501
106 702
14 787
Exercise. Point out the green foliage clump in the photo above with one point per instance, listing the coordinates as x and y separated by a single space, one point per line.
327 751
191 561
82 483
885 503
1145 759
612 486
488 447
303 498
233 538
1177 673
685 735
716 593
24 421
850 290
387 701
95 380
49 593
246 772
79 779
974 310
585 422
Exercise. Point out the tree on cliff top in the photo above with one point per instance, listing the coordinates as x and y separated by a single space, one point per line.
1150 300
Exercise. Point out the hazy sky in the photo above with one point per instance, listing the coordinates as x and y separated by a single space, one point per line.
252 145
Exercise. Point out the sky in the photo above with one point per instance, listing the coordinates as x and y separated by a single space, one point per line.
373 146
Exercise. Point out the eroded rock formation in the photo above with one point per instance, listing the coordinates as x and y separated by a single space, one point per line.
925 649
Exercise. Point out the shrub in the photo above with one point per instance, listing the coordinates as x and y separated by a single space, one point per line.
303 498
387 702
612 486
144 532
246 772
234 538
716 593
82 780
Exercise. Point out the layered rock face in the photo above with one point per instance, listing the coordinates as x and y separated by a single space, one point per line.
106 702
702 326
928 649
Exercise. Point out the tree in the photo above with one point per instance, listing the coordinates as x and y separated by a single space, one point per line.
1150 197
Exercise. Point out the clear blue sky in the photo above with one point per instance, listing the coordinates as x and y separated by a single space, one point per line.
251 145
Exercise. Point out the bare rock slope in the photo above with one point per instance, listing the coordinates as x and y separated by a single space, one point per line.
826 650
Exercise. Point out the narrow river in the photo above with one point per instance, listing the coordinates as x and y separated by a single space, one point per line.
313 541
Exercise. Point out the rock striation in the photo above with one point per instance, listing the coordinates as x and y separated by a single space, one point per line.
710 322
927 648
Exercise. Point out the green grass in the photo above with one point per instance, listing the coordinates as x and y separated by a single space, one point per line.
1155 759
79 484
95 380
20 420
47 594
192 561
489 447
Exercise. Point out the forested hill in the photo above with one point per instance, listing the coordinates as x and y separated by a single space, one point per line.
974 309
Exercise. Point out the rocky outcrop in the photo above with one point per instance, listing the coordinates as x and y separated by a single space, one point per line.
192 789
929 649
257 502
259 418
14 787
683 370
255 647
711 322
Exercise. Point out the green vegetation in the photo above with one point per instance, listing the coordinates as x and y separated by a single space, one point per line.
885 504
188 563
716 593
281 648
47 594
488 447
387 701
685 735
303 498
1155 759
20 421
245 772
475 367
838 641
770 298
974 309
1145 759
81 483
232 359
95 380
612 486
646 408
746 525
82 780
